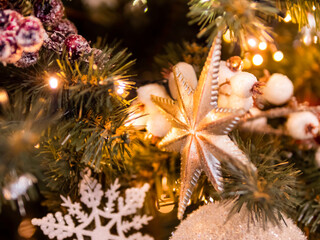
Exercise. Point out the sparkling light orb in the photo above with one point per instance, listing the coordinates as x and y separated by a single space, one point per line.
278 56
53 82
257 60
4 98
252 42
263 46
210 222
227 36
287 18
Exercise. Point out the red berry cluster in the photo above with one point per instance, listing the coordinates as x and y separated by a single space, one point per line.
19 35
61 33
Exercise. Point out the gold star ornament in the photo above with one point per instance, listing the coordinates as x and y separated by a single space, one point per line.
199 127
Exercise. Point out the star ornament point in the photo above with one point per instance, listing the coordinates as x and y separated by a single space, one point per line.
200 128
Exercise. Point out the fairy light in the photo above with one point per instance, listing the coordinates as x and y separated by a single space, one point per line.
37 146
278 56
4 98
121 88
315 39
263 46
287 18
314 8
227 36
252 42
257 60
307 39
53 82
120 91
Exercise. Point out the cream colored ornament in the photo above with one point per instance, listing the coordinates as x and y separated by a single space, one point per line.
302 125
186 70
158 125
278 90
200 129
239 102
210 222
242 84
145 92
151 117
225 73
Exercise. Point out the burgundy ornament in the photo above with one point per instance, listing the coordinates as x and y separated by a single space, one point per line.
5 49
30 34
10 20
15 50
49 11
65 27
28 59
76 46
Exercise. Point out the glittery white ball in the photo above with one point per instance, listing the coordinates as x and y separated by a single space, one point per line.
278 90
189 75
209 223
242 84
302 125
145 92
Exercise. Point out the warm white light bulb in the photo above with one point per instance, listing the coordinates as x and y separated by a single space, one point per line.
120 91
263 46
53 82
4 98
278 56
227 36
252 42
287 18
257 59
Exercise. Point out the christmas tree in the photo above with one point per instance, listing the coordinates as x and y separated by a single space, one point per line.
159 119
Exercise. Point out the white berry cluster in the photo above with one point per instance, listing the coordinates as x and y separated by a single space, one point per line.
235 88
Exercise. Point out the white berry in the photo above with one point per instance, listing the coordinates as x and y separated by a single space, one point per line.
242 84
225 73
223 101
189 75
278 90
239 102
145 92
158 125
302 125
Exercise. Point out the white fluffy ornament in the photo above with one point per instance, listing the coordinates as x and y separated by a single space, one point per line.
155 122
210 222
235 102
225 73
278 90
302 125
190 78
242 84
145 92
158 125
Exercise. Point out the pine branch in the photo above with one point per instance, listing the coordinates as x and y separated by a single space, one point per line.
299 10
267 193
243 18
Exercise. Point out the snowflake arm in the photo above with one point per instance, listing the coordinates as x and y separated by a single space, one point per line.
62 227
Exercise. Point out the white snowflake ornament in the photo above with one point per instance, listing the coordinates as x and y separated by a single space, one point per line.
76 222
